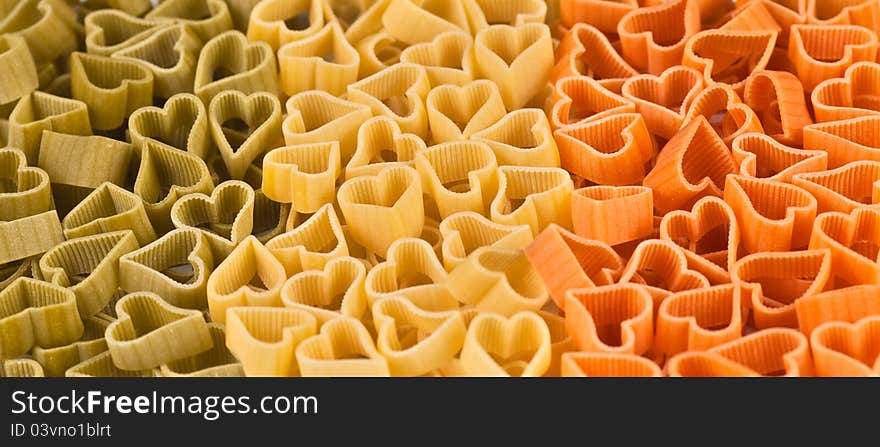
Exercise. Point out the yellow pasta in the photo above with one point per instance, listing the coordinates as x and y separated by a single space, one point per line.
265 338
312 244
318 117
390 201
459 176
536 197
249 276
303 175
344 348
324 61
397 92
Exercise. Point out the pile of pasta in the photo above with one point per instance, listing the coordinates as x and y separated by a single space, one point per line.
439 188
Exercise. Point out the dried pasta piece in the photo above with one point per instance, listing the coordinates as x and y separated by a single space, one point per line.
778 99
241 12
522 137
181 123
49 27
466 231
343 348
106 209
334 292
26 191
692 165
171 53
265 338
175 267
21 368
133 7
696 320
397 92
260 114
727 56
661 268
29 236
754 16
845 141
35 313
855 94
229 62
207 18
112 88
390 200
225 218
444 58
456 113
166 174
849 305
854 240
484 13
84 161
278 22
536 197
664 100
560 342
578 100
600 364
567 261
761 156
415 22
215 362
150 332
303 175
598 13
249 276
709 235
413 271
519 59
102 365
596 213
502 347
498 280
380 145
415 341
653 38
89 267
318 117
853 185
20 77
724 111
378 52
322 61
312 244
612 319
784 13
601 62
775 281
9 272
771 352
772 216
459 176
824 52
843 349
110 30
613 150
851 12
56 361
42 111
